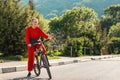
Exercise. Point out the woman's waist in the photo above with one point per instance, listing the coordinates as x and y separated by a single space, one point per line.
34 40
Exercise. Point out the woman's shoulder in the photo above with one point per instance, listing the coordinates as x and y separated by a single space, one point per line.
38 27
28 27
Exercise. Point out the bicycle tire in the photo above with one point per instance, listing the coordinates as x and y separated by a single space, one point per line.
37 69
46 64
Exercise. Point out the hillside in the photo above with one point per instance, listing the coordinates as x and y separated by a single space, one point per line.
52 8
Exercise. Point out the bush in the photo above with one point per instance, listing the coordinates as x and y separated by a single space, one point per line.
54 53
1 61
19 57
115 45
76 45
73 47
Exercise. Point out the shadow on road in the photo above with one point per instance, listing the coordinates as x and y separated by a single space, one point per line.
31 78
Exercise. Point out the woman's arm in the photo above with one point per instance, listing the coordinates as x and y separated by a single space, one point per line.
27 36
42 33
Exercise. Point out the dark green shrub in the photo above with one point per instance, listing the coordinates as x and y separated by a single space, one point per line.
115 45
54 53
19 57
76 46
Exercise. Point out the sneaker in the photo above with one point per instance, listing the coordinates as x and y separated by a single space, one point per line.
29 74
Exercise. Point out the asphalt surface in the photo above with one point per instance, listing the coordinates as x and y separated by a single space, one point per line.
15 66
95 69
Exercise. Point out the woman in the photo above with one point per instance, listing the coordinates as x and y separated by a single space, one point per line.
33 32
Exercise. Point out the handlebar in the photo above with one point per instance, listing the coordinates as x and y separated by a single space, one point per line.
39 42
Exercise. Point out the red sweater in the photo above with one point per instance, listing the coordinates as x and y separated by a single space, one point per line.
34 33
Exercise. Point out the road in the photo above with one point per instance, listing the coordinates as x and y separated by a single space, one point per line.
105 69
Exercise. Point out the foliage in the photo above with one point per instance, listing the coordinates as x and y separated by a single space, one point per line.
55 53
1 61
116 44
74 23
12 26
114 37
114 31
77 23
75 46
72 47
110 25
13 20
76 20
111 17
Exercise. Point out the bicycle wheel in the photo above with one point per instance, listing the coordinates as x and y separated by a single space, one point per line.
46 65
37 66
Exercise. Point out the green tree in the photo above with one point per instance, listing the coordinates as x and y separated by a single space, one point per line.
114 31
13 20
76 23
73 21
111 16
108 23
31 4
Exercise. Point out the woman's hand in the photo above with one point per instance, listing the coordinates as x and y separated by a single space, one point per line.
49 38
29 45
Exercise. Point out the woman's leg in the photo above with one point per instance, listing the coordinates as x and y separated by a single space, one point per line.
30 58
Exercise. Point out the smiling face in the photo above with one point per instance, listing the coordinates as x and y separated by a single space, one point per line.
34 21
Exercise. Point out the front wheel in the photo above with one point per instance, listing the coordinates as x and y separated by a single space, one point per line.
46 65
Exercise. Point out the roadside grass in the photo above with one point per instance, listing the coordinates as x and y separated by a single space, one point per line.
49 58
7 58
20 58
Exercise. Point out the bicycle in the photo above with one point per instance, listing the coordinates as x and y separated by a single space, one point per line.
41 62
